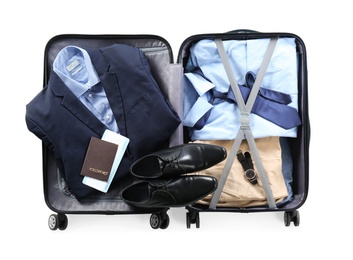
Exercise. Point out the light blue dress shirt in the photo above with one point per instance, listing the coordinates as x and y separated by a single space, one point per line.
74 67
244 56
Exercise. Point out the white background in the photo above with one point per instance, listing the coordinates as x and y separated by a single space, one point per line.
326 223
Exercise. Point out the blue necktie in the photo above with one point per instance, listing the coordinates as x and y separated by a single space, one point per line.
269 104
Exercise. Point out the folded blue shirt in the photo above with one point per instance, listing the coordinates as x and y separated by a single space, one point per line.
244 56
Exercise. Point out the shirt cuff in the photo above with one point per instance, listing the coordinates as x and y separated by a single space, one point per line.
200 108
200 84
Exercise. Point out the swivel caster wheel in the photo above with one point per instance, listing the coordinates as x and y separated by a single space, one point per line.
58 221
159 220
192 217
290 216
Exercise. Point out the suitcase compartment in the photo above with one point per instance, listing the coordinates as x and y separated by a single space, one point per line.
299 146
159 55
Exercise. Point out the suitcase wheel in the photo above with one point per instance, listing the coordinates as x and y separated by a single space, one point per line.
159 219
192 217
58 221
290 216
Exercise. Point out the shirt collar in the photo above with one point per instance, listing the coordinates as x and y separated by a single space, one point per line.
74 67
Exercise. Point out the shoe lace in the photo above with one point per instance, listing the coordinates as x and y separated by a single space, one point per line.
157 188
172 163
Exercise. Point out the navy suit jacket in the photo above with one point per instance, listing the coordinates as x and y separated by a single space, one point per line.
142 113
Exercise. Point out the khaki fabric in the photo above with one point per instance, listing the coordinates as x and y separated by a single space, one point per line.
239 192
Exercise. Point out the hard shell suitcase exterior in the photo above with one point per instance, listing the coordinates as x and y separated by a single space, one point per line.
169 76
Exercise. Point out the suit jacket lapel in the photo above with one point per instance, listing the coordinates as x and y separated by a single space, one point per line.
71 103
110 84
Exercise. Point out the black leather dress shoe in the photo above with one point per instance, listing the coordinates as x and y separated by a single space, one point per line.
178 160
176 192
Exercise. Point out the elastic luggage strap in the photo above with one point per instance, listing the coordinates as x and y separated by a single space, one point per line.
244 129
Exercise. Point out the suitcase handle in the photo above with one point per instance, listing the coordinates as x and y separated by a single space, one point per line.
243 31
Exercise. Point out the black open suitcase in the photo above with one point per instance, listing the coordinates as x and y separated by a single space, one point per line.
298 146
168 75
